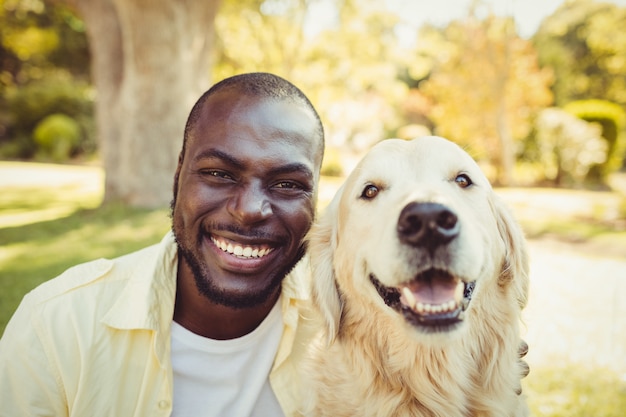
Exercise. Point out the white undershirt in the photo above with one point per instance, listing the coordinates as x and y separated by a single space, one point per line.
226 378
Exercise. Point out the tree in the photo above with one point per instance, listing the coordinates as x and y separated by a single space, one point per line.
585 43
348 67
485 86
150 61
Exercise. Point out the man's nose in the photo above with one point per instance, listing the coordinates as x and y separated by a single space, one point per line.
250 204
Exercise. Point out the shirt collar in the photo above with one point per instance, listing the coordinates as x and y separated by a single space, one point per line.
147 300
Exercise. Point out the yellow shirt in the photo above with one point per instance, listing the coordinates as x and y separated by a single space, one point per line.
95 341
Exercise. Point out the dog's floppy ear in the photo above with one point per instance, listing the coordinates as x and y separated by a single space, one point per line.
322 243
516 265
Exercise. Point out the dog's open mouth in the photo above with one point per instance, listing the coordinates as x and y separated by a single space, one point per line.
434 299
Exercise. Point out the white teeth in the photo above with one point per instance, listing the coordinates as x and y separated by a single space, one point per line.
409 297
241 251
459 292
423 308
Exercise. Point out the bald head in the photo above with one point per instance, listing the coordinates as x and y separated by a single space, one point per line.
258 85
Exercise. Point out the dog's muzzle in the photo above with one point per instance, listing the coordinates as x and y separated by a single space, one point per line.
435 300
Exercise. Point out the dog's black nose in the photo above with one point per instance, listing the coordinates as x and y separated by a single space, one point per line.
427 224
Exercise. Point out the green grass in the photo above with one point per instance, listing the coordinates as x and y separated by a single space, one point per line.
45 229
34 253
575 392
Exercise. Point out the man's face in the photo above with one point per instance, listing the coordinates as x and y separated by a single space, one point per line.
245 196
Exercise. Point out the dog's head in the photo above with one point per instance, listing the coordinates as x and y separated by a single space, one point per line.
415 230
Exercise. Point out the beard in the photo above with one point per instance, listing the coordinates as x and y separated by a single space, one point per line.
206 284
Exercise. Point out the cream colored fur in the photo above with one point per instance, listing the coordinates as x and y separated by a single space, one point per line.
370 361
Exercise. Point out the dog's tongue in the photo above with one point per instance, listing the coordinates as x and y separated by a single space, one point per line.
434 291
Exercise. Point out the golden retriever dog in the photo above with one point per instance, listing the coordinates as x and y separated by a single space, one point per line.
420 274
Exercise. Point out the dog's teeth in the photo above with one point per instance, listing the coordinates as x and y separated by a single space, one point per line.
459 291
451 305
419 307
409 297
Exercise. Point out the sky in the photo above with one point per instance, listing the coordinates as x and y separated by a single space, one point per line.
528 14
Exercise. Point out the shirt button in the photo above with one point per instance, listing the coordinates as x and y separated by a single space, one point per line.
163 404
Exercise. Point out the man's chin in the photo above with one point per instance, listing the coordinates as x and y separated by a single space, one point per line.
235 299
238 298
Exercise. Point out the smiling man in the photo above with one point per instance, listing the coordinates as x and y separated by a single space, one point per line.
206 323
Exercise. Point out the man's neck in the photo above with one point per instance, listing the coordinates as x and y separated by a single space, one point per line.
198 314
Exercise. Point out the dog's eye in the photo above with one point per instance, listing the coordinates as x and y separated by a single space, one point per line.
463 180
370 191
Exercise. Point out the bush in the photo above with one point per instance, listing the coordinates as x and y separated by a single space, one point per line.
57 136
611 118
567 146
31 104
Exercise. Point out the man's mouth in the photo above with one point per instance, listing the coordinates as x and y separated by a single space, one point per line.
434 300
240 250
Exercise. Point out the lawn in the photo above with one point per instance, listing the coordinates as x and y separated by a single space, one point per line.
50 219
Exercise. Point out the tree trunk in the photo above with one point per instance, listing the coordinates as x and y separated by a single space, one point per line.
151 59
105 43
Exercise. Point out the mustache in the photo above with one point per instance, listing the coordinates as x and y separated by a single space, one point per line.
252 233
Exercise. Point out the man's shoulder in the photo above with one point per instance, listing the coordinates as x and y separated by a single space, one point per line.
89 278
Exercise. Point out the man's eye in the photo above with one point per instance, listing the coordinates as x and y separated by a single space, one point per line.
369 192
288 185
216 173
463 180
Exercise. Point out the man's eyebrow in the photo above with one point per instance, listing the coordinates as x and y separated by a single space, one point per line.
217 154
291 168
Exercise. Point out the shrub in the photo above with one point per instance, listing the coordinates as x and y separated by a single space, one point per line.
57 136
611 118
567 146
30 104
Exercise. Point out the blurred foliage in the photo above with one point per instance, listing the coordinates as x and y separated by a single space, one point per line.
483 64
32 103
584 43
57 136
44 69
612 119
568 146
332 165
